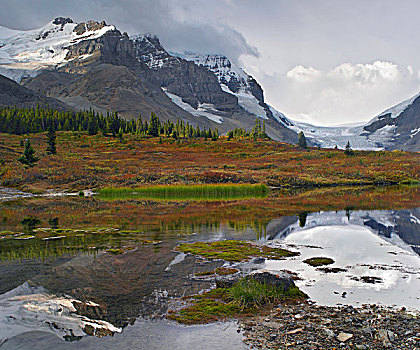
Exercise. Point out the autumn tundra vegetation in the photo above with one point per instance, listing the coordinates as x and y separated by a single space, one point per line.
43 149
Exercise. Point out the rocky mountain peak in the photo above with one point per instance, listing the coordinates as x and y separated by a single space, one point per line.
62 21
89 26
150 51
234 78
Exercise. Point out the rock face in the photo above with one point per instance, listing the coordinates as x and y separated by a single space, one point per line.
112 47
194 84
234 80
404 127
106 86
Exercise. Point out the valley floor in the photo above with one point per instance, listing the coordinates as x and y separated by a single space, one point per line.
93 162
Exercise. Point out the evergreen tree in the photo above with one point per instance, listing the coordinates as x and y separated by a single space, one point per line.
92 125
214 135
120 134
28 158
302 140
51 138
154 125
348 150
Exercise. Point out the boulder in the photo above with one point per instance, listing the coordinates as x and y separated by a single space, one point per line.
282 280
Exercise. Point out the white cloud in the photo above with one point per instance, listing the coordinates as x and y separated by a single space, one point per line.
304 74
345 93
376 73
410 70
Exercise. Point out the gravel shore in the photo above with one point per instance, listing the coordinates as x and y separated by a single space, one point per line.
305 326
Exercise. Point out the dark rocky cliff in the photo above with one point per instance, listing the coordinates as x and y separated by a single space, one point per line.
406 133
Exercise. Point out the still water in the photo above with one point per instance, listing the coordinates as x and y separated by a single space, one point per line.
58 290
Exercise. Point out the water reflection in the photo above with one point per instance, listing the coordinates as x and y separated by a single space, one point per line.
125 273
399 227
370 269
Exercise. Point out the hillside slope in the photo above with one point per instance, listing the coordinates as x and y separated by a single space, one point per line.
11 93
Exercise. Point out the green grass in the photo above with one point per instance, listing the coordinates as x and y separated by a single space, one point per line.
245 297
234 251
187 192
319 261
248 293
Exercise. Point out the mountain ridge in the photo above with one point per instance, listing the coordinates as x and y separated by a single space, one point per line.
93 65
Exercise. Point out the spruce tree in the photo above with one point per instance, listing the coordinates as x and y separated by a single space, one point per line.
92 126
348 150
51 136
302 140
154 125
120 134
28 158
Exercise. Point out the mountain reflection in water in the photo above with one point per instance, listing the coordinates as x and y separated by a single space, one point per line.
113 293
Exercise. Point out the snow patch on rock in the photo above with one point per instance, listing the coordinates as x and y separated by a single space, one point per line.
232 79
204 110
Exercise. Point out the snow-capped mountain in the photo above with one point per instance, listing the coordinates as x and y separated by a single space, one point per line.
381 133
27 53
94 65
210 86
235 81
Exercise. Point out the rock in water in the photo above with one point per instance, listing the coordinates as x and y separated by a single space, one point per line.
282 280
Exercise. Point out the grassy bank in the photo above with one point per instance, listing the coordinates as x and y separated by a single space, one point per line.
187 192
244 298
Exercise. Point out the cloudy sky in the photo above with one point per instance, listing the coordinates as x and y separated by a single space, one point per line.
322 61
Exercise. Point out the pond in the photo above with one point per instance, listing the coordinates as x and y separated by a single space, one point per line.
90 273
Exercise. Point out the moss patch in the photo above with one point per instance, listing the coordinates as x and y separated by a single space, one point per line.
243 298
234 251
115 251
221 271
319 261
205 273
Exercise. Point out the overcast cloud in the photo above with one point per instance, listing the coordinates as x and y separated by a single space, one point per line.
322 61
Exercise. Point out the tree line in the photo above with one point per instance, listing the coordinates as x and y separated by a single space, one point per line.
257 132
22 121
